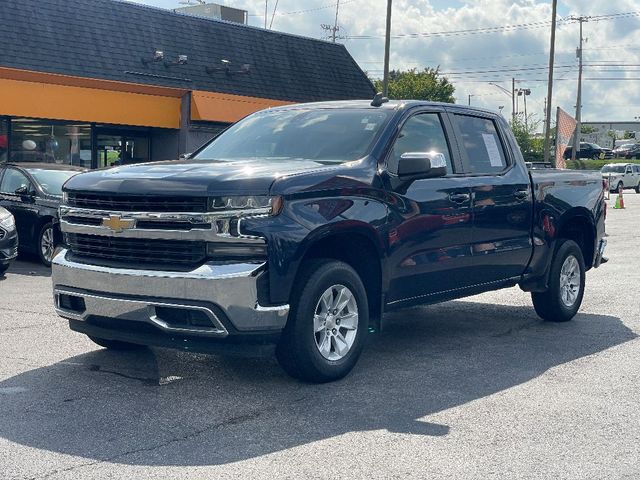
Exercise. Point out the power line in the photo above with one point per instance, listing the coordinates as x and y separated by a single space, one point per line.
497 28
309 10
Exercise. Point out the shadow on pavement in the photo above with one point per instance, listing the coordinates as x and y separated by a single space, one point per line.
162 407
27 265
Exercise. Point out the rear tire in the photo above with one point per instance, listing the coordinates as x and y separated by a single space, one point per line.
3 268
638 188
115 344
561 301
328 323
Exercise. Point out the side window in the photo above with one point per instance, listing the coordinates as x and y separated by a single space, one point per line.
421 133
628 169
482 144
12 180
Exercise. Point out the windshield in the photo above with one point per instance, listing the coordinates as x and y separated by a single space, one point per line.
322 135
51 180
613 169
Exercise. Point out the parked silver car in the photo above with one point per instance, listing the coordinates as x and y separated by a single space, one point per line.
8 240
622 175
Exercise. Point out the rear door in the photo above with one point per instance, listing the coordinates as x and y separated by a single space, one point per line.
430 219
502 200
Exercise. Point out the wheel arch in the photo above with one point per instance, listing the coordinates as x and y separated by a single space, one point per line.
578 225
358 246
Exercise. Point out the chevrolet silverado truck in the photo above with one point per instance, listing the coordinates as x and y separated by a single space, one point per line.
299 226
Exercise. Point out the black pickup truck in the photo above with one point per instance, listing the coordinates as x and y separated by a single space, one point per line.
299 226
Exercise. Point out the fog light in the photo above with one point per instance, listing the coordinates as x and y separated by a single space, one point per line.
222 251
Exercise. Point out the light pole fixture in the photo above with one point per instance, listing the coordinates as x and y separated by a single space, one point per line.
180 60
226 67
157 56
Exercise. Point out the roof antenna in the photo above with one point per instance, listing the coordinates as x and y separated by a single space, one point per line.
378 100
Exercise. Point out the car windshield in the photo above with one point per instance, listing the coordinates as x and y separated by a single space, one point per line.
613 169
51 180
322 135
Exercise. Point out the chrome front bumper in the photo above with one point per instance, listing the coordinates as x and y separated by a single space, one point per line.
226 294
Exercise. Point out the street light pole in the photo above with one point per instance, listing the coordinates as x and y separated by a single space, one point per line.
387 44
548 103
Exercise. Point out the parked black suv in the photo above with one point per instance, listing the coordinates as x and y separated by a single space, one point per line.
589 150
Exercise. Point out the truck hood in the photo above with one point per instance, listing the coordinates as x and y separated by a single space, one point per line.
190 178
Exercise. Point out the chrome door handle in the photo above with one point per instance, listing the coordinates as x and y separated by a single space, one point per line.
522 194
459 197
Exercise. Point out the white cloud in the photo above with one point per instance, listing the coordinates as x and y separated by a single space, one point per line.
609 42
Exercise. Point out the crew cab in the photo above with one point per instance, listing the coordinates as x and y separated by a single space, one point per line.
299 226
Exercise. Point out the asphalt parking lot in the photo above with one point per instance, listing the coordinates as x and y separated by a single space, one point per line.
478 388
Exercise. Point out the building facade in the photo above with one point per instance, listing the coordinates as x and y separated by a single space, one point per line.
105 82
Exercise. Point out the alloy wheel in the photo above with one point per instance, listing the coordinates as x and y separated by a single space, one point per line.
47 244
569 281
335 322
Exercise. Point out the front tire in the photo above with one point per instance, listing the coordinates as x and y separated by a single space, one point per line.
329 320
638 188
46 244
115 344
3 268
561 301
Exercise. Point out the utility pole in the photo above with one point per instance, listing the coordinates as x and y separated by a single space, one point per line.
513 101
335 24
470 99
576 138
387 44
547 102
266 12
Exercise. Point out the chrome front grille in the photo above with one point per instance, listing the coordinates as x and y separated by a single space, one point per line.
137 250
137 203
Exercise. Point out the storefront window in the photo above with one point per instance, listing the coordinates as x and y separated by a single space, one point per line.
4 139
47 142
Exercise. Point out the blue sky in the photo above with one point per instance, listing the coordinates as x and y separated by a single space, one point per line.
612 49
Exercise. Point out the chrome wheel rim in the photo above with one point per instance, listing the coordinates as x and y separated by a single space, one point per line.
335 322
47 245
569 281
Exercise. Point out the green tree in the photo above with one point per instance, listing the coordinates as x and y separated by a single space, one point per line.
532 147
418 85
587 129
628 134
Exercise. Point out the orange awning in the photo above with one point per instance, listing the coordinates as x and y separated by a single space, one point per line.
63 102
219 107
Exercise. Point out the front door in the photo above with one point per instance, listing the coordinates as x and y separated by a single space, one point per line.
430 219
21 206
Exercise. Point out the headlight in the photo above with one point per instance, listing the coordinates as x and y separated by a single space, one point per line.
65 198
246 205
7 222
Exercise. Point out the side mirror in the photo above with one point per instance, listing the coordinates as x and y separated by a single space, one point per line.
185 156
418 165
23 191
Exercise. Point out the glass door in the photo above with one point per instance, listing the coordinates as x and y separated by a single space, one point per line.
115 148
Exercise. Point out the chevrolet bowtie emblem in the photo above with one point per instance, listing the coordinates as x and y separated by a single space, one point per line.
117 223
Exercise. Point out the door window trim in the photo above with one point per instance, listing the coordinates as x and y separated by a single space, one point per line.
449 134
509 156
24 174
